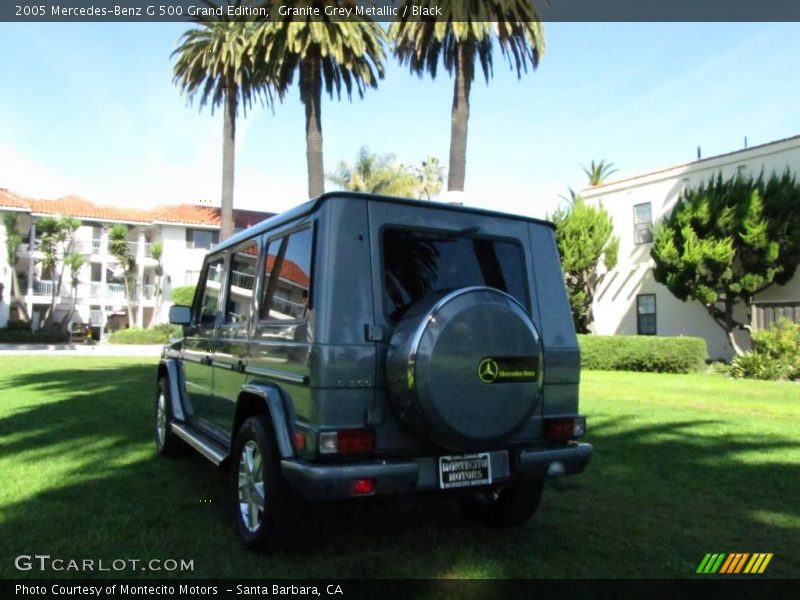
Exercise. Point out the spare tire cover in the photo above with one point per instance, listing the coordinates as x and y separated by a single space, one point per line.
464 368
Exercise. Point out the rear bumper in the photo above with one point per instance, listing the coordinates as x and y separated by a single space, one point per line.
333 481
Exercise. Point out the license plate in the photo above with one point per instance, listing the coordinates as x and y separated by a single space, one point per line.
464 471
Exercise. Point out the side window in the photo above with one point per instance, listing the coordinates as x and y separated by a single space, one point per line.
211 282
241 282
287 275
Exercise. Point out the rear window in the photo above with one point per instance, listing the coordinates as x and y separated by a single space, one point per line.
417 263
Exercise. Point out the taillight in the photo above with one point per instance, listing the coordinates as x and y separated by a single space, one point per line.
347 441
299 441
362 487
564 429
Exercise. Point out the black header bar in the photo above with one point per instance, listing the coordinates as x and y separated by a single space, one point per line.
145 11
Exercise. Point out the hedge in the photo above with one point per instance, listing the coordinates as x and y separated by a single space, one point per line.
160 334
18 336
642 353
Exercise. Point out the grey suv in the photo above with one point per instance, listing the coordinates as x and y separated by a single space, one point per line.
361 345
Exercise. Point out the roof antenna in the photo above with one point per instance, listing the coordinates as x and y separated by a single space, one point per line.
745 142
699 154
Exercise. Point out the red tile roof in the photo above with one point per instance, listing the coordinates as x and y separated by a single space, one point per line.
289 270
75 206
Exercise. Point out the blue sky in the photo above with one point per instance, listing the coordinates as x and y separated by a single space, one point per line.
90 109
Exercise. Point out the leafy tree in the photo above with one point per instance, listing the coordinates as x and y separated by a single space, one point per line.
216 62
463 39
727 240
13 242
583 235
57 234
430 176
376 174
598 172
74 261
119 248
324 55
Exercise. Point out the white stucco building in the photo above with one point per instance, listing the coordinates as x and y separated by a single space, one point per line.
186 232
629 301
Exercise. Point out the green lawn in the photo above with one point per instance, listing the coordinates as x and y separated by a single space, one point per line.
683 465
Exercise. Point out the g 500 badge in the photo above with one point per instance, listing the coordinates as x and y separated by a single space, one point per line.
507 369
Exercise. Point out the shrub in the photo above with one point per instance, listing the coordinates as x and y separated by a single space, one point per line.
183 295
169 330
20 336
642 353
752 365
18 326
159 334
775 354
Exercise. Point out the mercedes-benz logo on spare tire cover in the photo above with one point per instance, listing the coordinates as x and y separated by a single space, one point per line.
463 368
488 370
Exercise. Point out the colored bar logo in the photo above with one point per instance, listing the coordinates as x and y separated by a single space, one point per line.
734 563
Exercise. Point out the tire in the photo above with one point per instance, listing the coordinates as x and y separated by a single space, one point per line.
261 499
504 506
167 443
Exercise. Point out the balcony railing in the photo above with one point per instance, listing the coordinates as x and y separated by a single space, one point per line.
242 280
94 290
147 292
96 318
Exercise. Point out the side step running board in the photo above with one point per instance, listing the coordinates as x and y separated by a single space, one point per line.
212 452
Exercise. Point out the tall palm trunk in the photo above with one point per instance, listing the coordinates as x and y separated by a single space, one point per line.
228 160
459 118
311 95
17 296
128 299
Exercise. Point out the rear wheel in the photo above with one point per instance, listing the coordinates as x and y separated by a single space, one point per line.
261 497
504 506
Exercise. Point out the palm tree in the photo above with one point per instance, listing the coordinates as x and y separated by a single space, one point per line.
156 253
598 172
118 247
376 174
462 39
216 62
13 242
323 54
57 237
430 177
74 261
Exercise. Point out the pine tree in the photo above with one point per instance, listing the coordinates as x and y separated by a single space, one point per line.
727 240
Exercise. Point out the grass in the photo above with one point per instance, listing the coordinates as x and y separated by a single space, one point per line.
683 465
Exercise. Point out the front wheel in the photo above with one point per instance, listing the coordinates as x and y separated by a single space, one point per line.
260 495
167 443
504 506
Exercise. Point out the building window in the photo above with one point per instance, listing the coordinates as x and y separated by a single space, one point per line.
642 223
646 314
202 239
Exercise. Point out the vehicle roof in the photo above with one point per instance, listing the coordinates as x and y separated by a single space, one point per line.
314 205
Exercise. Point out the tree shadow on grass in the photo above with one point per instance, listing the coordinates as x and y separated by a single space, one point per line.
84 482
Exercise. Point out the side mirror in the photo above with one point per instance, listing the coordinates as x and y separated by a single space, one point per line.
180 315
